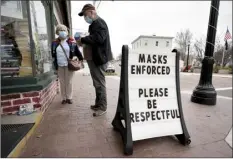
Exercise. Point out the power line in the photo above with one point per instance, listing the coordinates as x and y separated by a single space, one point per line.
98 4
94 2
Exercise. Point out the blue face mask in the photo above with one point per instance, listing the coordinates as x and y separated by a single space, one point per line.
62 34
88 20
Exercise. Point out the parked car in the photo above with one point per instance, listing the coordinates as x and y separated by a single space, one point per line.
110 68
185 68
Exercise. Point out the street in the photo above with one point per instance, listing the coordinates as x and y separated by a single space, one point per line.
188 82
225 93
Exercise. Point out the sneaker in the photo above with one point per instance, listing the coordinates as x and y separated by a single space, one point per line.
95 107
69 101
63 102
100 111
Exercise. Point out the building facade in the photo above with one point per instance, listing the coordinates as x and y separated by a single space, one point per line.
154 43
27 30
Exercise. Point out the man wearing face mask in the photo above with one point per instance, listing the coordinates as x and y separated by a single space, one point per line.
61 63
99 55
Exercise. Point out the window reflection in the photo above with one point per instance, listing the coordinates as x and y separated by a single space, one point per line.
40 37
167 43
15 46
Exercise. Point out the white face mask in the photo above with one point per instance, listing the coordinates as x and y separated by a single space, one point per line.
62 34
88 19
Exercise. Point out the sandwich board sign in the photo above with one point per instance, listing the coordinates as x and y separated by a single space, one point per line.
149 103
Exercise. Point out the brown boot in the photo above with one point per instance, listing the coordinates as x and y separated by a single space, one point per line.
95 107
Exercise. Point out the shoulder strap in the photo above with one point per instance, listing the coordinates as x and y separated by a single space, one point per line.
64 51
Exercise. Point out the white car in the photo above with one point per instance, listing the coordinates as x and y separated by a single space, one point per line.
110 68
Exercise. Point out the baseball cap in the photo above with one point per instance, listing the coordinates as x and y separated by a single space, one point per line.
85 8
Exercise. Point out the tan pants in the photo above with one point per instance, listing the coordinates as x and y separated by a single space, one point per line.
66 80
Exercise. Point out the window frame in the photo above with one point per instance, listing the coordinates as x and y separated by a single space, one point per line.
48 7
50 21
167 43
146 43
32 43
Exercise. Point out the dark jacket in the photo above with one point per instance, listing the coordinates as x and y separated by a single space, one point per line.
100 42
74 50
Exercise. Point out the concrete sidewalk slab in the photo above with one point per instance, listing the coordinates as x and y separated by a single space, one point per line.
16 119
71 131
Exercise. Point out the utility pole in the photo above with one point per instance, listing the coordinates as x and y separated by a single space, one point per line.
94 1
187 65
223 54
98 5
205 93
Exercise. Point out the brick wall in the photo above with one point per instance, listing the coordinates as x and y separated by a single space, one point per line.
40 100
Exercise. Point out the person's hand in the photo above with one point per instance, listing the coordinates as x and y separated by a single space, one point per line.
79 42
75 58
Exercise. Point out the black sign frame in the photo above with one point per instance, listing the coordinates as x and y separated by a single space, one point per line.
123 112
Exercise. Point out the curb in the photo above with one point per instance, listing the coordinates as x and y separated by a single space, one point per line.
15 153
214 75
228 138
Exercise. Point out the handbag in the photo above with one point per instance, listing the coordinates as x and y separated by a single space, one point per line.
73 65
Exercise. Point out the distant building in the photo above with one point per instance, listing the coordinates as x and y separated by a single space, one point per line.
154 43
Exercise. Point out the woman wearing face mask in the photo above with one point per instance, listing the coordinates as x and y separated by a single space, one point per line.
60 53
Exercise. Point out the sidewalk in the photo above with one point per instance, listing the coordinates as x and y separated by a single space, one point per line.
71 131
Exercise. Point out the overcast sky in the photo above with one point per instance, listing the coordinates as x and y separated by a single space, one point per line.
129 19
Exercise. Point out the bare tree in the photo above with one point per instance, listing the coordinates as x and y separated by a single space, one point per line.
218 45
199 48
182 39
119 56
219 54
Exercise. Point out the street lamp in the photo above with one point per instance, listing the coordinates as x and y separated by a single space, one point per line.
204 93
187 65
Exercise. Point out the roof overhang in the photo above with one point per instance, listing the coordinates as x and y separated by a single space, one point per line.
153 37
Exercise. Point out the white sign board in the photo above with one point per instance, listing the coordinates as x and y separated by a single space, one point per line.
153 101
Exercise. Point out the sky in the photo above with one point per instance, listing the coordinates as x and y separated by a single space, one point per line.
127 20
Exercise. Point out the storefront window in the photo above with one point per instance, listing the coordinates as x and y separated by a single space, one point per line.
55 24
55 19
15 43
40 30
